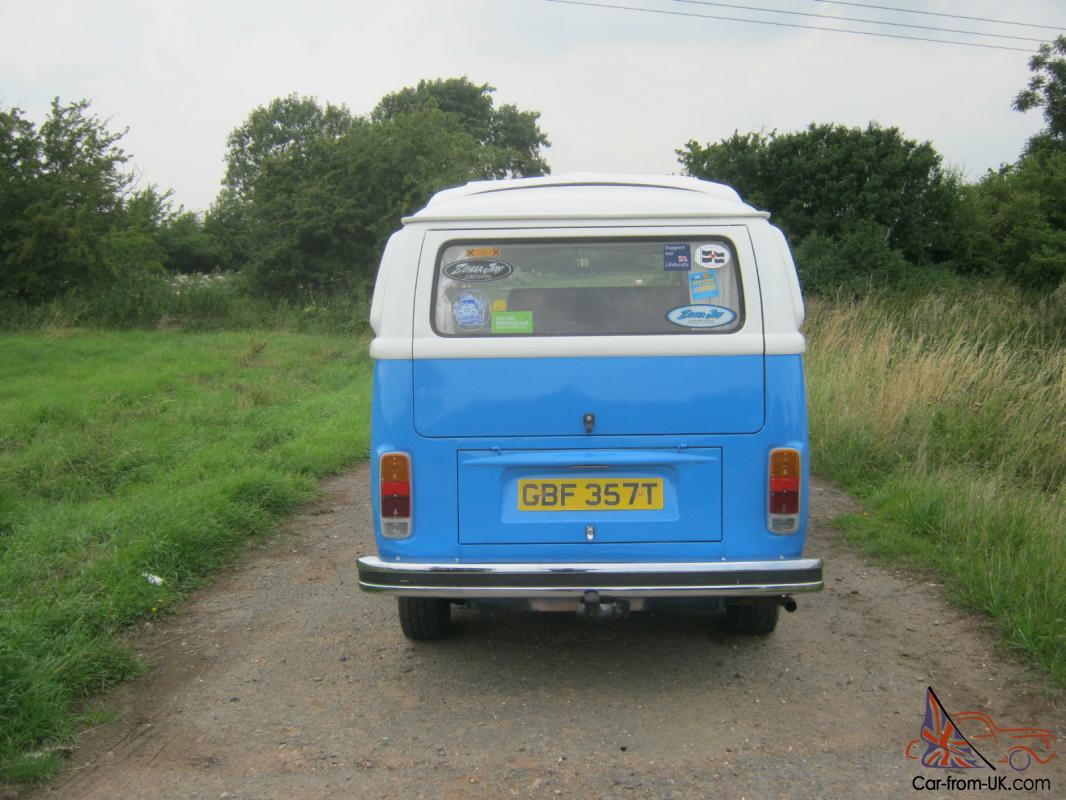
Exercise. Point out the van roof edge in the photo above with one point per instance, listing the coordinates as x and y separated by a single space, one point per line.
422 216
676 182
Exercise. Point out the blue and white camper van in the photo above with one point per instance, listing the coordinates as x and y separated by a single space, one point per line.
588 395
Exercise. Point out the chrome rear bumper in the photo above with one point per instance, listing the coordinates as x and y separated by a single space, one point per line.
697 579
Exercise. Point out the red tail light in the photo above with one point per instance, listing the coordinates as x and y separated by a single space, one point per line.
395 481
784 501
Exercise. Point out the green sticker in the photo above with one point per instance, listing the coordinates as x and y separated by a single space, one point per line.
512 322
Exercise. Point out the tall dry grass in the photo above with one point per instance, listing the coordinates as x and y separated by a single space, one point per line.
948 416
928 386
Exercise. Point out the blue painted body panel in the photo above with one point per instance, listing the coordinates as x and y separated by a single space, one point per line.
740 505
509 397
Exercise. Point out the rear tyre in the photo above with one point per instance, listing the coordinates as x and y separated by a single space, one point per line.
424 618
754 619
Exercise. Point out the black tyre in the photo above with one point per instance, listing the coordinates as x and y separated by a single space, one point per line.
424 618
755 619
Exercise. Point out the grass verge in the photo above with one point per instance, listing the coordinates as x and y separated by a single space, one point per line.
124 455
947 416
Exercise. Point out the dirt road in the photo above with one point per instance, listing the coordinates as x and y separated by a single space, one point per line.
283 681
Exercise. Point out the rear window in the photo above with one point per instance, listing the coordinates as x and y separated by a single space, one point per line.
587 287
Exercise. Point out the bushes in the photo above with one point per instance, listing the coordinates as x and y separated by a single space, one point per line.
217 302
853 262
828 179
858 203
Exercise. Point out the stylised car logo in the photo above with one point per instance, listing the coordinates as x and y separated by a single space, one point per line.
1017 748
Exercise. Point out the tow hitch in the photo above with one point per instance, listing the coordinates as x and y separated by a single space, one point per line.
593 608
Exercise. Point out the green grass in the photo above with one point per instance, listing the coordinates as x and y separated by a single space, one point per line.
124 454
947 416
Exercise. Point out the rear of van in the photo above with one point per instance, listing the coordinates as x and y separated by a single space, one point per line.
589 395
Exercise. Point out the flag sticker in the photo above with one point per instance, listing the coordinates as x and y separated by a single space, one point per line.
712 256
945 746
677 257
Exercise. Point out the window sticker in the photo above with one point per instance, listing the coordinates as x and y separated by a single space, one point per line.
677 257
702 285
499 305
477 270
512 322
469 309
712 256
701 316
483 252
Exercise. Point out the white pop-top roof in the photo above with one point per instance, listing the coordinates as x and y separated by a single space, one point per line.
585 195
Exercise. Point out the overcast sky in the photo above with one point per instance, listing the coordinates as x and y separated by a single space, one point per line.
617 90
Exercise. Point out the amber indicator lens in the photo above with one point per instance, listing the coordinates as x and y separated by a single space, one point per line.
395 467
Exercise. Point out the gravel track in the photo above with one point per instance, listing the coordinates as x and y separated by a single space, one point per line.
282 680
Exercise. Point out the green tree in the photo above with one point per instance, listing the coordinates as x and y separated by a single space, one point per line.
320 218
187 245
132 243
1047 91
512 136
1019 221
1016 215
311 193
64 186
229 226
153 235
20 166
286 125
829 178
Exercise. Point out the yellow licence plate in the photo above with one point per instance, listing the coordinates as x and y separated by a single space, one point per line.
587 494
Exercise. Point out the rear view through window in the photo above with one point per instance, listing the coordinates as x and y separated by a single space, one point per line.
587 287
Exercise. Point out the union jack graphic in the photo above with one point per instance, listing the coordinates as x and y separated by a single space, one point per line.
946 747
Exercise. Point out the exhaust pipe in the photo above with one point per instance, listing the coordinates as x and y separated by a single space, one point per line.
594 610
789 603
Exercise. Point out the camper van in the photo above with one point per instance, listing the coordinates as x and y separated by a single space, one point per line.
589 396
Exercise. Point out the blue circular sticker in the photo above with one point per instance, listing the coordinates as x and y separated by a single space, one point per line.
470 310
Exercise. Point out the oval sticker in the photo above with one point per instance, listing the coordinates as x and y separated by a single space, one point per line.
701 316
712 255
475 270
